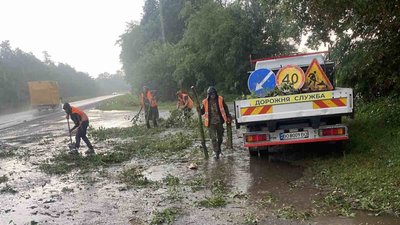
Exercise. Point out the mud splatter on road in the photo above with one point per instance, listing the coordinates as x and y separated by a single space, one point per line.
234 190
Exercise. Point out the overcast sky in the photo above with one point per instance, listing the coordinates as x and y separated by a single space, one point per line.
81 33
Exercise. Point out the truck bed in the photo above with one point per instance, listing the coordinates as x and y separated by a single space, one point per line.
327 103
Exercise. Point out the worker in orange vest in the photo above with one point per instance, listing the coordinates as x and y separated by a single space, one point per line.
149 105
184 102
81 121
215 113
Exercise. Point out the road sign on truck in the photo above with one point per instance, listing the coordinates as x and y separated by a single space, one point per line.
44 95
261 82
313 115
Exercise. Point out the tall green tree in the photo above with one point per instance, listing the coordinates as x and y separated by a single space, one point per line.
364 37
146 47
17 68
180 43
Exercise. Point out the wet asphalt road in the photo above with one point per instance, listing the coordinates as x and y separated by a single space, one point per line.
13 119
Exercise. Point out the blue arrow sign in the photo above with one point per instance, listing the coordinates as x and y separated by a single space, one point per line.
261 82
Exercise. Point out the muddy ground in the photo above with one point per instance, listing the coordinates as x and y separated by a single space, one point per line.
236 189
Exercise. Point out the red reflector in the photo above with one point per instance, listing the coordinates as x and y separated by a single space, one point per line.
256 138
332 131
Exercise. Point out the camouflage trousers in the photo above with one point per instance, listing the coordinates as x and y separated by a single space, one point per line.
151 113
216 132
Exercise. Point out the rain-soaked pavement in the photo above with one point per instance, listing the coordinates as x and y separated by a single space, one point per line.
257 188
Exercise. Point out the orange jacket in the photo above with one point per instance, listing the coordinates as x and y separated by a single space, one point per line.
221 107
83 115
185 101
149 98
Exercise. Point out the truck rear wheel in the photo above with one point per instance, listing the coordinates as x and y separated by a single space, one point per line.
253 152
264 152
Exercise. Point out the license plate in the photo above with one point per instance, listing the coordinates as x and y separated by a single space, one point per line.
293 135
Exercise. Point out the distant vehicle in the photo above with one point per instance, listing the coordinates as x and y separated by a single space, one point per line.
45 95
114 93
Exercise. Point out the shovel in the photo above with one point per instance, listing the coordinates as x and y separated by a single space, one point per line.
136 117
70 145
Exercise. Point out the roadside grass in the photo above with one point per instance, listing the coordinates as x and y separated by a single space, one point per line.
267 200
174 191
67 190
217 199
7 151
102 133
366 178
3 179
6 154
172 145
177 119
197 183
166 216
146 147
133 177
8 189
122 102
290 213
174 194
131 102
250 218
168 105
214 201
170 180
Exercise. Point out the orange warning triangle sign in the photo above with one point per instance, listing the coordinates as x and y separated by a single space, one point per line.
316 79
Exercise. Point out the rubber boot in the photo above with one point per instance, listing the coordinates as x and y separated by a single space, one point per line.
89 151
155 123
73 151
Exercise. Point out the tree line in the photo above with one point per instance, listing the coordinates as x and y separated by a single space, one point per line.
179 43
18 67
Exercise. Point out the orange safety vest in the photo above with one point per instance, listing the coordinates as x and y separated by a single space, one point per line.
83 115
221 109
153 102
182 101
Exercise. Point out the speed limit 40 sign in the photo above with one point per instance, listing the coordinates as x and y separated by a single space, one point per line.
291 75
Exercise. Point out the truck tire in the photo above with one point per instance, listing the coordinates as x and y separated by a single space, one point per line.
264 152
253 152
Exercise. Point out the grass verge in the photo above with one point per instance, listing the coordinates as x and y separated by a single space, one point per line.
165 148
7 151
8 189
3 179
122 102
130 102
102 134
134 177
290 213
366 178
167 216
217 199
